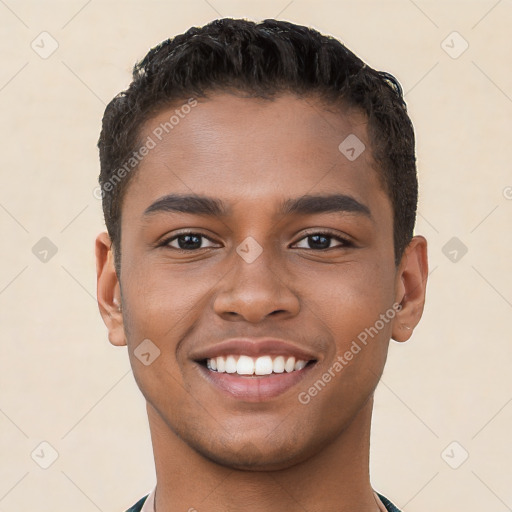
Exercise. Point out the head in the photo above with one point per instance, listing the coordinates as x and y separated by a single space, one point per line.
282 140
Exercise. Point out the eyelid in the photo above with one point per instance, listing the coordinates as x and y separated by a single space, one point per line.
167 240
346 241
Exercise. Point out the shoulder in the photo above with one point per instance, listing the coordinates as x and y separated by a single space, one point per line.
138 506
389 506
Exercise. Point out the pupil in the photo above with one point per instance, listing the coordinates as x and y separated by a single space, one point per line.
189 244
315 239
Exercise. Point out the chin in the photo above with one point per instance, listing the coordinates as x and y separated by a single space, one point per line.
255 455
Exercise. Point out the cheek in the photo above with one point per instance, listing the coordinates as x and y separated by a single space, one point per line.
352 299
162 301
363 321
357 316
162 305
158 314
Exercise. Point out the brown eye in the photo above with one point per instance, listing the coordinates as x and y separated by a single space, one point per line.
322 241
187 241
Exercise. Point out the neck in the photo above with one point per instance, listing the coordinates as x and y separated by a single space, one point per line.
336 479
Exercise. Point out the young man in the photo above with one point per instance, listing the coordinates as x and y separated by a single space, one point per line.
259 191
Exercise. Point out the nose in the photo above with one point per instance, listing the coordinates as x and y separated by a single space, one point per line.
254 291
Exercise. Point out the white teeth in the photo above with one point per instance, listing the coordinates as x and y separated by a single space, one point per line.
299 365
263 365
245 365
290 364
230 364
278 365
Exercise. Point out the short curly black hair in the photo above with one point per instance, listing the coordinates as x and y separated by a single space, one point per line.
262 59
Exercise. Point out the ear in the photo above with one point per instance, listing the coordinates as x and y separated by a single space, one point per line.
108 290
410 288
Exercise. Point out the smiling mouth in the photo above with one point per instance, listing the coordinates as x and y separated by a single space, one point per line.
245 366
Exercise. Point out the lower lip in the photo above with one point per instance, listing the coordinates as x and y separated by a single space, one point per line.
254 388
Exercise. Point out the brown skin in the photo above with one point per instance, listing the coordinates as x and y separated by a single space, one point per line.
213 452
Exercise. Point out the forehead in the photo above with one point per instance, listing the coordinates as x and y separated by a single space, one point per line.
249 149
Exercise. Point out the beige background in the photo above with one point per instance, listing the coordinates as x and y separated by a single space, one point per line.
61 382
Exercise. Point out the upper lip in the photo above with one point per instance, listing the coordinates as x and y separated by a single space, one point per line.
253 347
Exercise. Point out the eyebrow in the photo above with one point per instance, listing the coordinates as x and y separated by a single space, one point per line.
305 205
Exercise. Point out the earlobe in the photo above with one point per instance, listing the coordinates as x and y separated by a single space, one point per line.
411 288
108 290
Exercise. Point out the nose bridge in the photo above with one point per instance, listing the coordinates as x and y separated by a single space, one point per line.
256 285
255 265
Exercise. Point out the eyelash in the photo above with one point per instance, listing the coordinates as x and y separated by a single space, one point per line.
345 242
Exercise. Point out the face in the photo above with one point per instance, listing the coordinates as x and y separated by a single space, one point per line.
257 289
